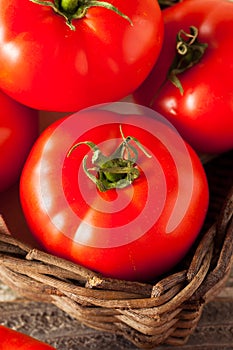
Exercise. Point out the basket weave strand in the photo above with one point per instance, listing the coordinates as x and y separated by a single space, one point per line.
147 314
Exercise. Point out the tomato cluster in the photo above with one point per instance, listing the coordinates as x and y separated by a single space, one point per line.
119 191
115 186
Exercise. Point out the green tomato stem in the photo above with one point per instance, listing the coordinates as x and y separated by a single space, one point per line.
116 171
69 6
189 52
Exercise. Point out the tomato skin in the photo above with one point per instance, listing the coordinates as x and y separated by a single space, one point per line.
204 113
18 131
47 66
136 243
14 340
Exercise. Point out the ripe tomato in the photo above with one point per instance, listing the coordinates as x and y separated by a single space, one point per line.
115 189
18 131
14 340
204 113
47 65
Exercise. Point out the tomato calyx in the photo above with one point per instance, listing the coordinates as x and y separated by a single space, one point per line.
189 51
116 170
77 9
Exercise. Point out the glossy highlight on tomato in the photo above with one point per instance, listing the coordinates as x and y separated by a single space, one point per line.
115 189
203 114
49 66
19 128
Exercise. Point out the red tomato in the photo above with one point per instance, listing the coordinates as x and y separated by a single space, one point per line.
135 231
204 113
18 131
14 340
48 66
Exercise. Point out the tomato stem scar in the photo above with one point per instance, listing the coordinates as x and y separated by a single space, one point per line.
119 169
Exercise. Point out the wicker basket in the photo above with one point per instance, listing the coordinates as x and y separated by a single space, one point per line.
146 314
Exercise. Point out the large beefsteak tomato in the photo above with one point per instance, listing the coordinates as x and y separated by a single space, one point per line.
115 189
203 113
18 131
102 55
